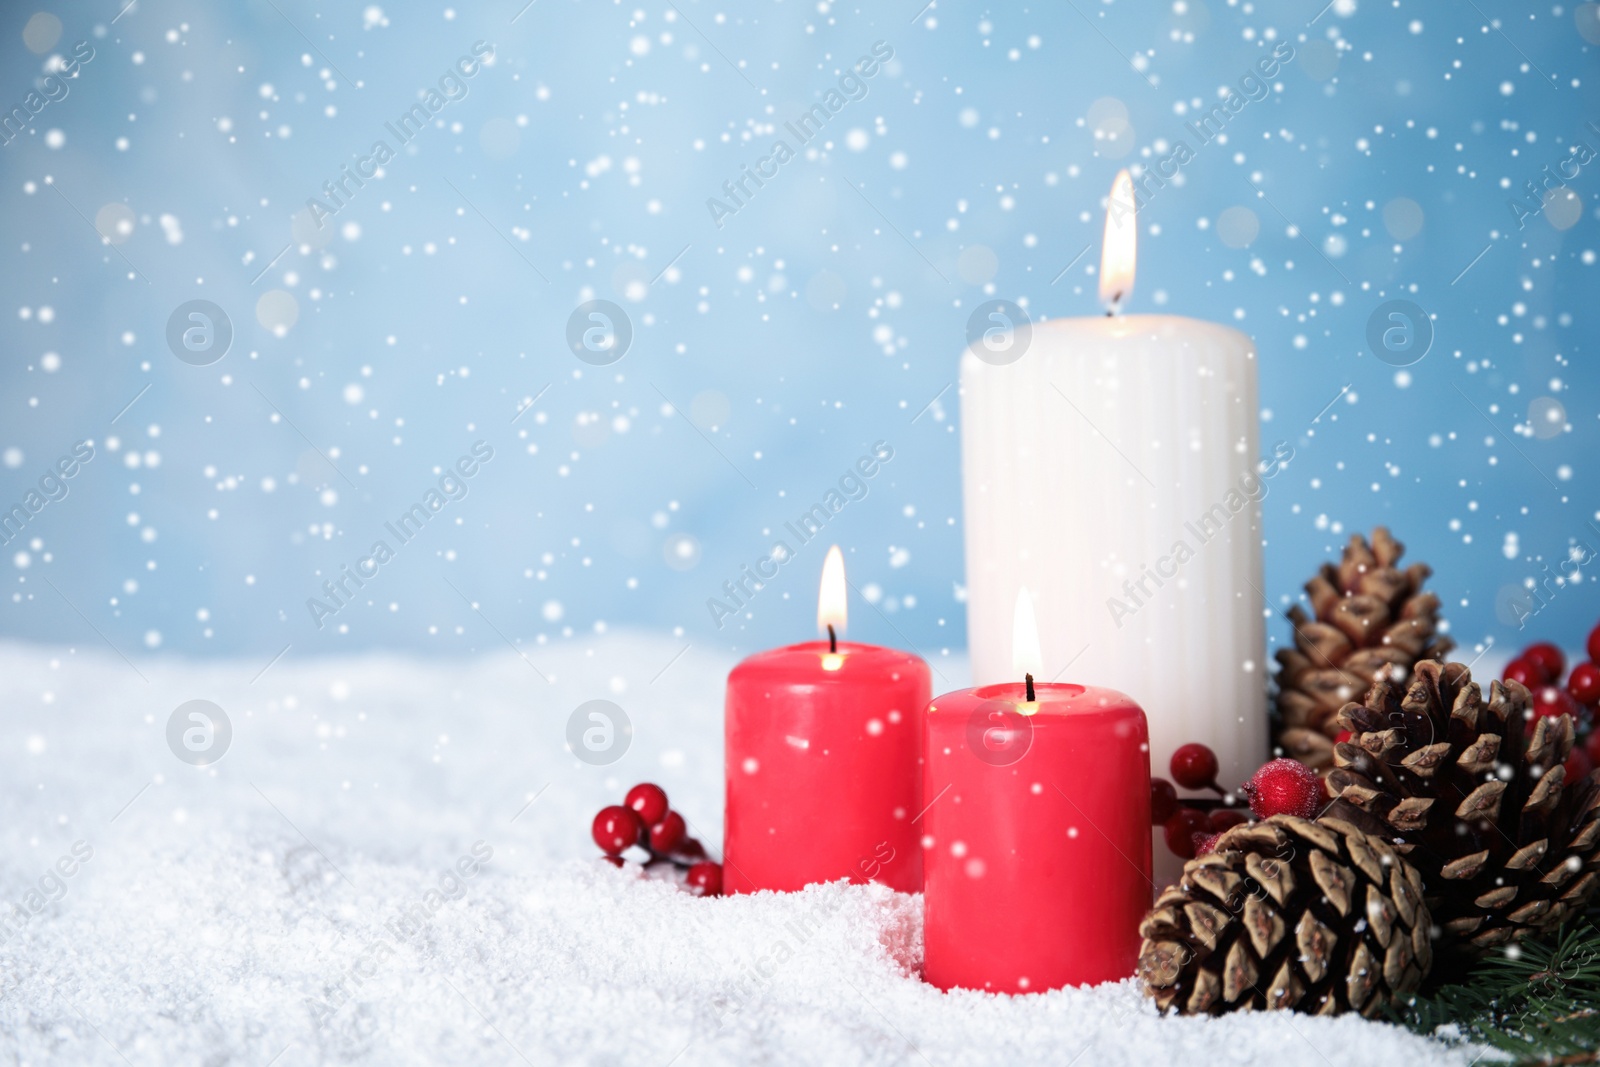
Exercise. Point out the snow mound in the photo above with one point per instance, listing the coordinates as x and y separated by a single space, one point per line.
391 864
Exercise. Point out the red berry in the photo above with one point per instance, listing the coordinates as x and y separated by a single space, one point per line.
1181 828
1578 765
1521 670
1225 819
1344 735
1593 747
1284 787
615 861
650 801
1550 702
1584 684
1593 644
1163 801
616 829
1204 843
690 849
1550 660
705 879
1194 766
665 835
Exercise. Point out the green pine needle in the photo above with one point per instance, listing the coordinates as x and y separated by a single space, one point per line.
1536 1000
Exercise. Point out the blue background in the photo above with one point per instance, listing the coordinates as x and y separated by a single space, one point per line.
824 316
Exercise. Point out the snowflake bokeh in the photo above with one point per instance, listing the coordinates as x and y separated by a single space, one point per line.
400 211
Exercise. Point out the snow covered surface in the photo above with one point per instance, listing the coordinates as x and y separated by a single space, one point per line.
255 911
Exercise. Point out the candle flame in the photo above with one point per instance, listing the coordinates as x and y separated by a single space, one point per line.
1025 655
831 601
1119 247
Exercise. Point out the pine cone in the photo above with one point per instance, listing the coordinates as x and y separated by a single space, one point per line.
1475 800
1372 619
1288 913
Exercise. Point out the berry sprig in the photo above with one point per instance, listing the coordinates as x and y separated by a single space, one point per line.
1191 825
644 820
1539 667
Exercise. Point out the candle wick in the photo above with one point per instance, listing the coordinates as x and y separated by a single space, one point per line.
833 639
1028 679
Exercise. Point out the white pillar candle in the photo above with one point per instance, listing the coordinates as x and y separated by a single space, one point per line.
1113 471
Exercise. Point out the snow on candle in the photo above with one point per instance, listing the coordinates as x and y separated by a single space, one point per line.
822 752
1113 469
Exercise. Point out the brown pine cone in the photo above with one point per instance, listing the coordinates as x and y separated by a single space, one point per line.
1288 913
1476 800
1369 620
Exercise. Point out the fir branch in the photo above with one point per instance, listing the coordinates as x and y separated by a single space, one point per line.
1538 1000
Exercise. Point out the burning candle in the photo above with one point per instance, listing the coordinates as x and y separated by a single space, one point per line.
823 748
1113 467
1037 832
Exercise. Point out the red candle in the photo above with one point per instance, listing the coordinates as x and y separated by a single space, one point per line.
823 752
1037 836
